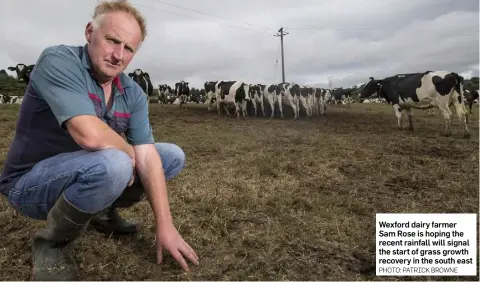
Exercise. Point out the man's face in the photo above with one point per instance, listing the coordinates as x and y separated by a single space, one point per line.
112 45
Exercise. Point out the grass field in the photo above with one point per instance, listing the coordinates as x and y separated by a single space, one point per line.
276 199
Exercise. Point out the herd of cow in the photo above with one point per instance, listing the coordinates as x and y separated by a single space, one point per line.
425 91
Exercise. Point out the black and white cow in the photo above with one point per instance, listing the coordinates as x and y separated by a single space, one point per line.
422 91
7 99
4 99
23 72
319 102
232 92
209 87
196 96
271 92
305 99
164 92
290 93
471 96
182 91
341 95
256 96
143 79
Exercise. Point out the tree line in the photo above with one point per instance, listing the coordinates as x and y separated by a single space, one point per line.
9 85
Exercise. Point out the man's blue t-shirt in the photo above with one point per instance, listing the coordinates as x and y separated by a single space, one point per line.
62 86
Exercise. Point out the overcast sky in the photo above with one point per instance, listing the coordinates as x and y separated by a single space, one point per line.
202 40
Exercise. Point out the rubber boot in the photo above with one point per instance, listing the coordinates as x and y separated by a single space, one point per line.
51 245
110 222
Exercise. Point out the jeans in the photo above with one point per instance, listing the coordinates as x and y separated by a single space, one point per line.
91 181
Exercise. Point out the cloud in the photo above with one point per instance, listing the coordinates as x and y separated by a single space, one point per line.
347 40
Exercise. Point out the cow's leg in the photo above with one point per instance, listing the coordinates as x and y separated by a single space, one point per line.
185 99
447 115
296 106
225 107
261 105
410 121
305 104
462 117
313 105
271 102
398 114
244 109
209 101
309 105
280 106
318 106
218 107
254 102
323 106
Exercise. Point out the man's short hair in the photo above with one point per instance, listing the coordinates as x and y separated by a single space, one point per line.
106 7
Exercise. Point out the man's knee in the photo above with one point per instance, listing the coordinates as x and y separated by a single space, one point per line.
102 181
179 156
117 166
173 159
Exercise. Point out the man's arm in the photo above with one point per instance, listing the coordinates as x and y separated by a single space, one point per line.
150 170
92 134
58 79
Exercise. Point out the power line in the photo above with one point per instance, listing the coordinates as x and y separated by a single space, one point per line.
185 15
208 14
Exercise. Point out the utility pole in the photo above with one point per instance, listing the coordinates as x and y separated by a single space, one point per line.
330 82
281 34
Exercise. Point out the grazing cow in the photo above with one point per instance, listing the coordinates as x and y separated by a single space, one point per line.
23 72
209 87
422 91
256 96
232 92
290 93
307 94
164 91
341 95
271 92
182 91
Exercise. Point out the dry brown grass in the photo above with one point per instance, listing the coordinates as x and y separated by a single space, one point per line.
276 199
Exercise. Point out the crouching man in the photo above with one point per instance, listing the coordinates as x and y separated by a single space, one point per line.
68 163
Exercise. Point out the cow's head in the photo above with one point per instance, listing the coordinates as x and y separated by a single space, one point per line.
277 89
370 88
181 87
137 75
23 72
252 89
243 91
246 88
